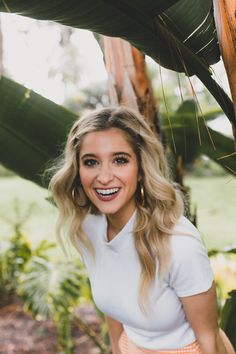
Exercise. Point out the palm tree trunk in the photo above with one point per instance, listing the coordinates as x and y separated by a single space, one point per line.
225 18
128 81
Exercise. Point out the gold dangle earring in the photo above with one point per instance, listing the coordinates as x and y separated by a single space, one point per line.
76 196
142 195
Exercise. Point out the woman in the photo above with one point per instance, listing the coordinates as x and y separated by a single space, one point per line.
148 269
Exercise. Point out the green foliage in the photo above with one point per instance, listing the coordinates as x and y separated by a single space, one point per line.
16 252
14 256
32 130
37 132
49 290
53 290
12 263
188 136
178 34
228 316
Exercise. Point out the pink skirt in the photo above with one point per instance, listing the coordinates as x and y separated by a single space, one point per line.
128 347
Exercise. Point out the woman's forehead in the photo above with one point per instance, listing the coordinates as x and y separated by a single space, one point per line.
112 139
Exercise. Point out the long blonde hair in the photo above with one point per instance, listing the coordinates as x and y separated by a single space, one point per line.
156 216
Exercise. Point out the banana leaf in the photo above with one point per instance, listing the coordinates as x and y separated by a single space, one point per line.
32 130
189 136
180 34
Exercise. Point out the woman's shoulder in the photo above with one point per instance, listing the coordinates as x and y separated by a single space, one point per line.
184 227
190 271
185 238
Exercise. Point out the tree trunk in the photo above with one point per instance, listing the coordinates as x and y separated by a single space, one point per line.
128 82
225 18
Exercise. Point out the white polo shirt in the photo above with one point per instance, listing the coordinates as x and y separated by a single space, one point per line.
115 276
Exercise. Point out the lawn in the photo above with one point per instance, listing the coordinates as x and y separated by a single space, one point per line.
215 198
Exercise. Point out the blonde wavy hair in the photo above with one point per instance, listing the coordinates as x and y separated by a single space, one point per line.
156 214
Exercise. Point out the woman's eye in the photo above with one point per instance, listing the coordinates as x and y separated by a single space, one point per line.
89 162
121 160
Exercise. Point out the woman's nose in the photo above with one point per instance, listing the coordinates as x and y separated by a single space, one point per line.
105 175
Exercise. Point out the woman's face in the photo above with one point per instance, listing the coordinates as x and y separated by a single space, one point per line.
109 172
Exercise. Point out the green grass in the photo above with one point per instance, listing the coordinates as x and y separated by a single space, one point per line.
215 198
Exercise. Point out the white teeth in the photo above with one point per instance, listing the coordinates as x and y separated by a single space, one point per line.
107 191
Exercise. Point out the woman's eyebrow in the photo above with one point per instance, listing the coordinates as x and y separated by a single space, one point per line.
121 153
88 155
112 154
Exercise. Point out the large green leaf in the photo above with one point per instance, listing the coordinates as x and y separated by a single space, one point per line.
192 137
179 34
32 130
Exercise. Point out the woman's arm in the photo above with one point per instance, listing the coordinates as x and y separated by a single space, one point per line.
114 328
201 313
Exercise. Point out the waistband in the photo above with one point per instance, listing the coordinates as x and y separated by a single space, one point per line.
128 347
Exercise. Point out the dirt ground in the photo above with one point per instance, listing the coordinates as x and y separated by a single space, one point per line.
21 334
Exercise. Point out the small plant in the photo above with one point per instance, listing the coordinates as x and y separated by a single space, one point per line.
13 260
49 289
12 263
54 290
15 253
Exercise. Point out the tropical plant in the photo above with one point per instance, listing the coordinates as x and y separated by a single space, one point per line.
49 290
189 136
55 291
179 34
36 128
37 132
15 253
12 262
32 130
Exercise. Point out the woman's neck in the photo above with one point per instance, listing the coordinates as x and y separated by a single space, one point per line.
115 224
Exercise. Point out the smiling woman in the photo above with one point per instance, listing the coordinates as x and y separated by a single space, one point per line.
148 268
109 175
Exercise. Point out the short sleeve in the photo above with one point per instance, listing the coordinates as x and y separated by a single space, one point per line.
190 271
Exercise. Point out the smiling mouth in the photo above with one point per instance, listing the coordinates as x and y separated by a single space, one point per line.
107 192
